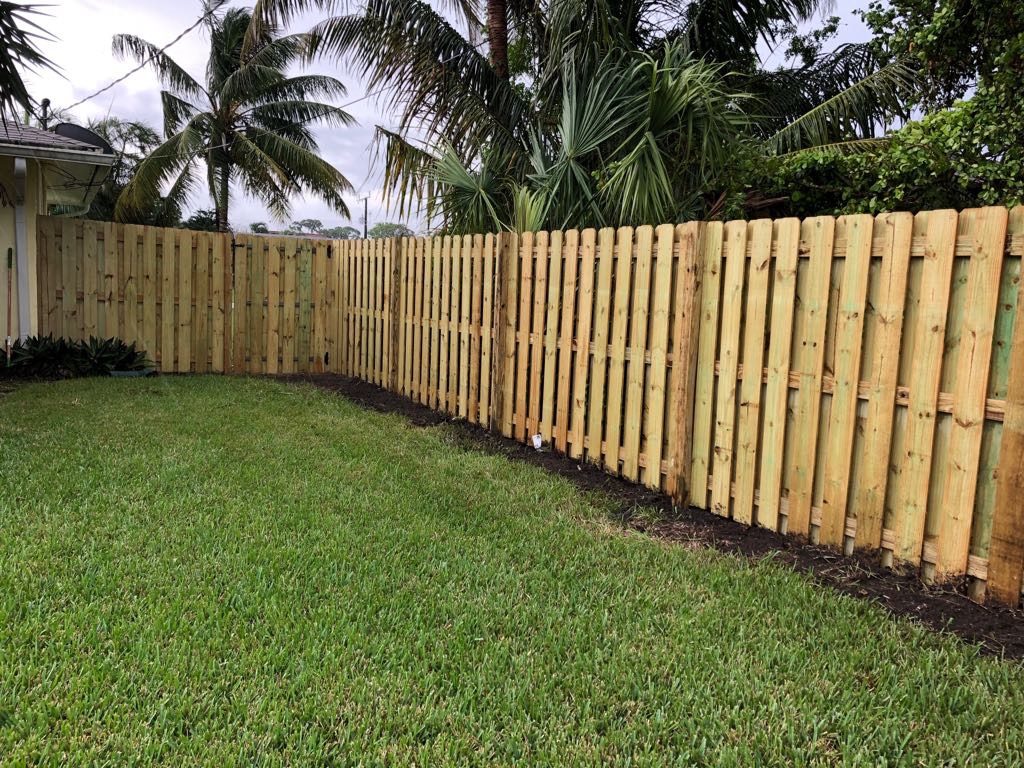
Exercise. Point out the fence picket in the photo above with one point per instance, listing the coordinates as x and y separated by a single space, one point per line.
584 316
551 330
566 334
599 360
819 234
707 347
540 296
725 407
849 343
915 461
655 395
869 504
755 324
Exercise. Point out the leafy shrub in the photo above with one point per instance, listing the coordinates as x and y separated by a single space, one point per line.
969 155
44 357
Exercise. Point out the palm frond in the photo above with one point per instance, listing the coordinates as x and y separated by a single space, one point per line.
20 37
407 179
471 201
302 169
170 74
838 118
161 165
438 81
177 112
849 147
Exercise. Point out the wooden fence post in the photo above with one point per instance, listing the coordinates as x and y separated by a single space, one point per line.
684 358
239 262
395 311
503 340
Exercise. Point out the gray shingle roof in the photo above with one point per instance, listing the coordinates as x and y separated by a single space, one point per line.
28 136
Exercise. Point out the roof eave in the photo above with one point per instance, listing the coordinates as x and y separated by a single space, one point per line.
62 155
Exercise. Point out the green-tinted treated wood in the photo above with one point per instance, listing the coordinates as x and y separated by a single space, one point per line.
1006 550
987 230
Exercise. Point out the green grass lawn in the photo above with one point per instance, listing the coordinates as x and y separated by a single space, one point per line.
237 572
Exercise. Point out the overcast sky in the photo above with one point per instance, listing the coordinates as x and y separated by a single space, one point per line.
84 28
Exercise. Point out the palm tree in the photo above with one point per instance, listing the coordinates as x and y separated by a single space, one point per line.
248 122
19 49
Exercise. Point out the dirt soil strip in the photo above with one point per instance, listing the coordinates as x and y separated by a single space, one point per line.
946 609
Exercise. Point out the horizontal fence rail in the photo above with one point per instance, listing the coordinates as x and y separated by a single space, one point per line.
856 380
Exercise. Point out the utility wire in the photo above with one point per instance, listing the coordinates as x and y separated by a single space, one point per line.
209 12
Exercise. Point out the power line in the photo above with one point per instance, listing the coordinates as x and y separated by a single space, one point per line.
209 12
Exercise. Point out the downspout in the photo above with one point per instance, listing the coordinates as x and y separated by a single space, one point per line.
21 248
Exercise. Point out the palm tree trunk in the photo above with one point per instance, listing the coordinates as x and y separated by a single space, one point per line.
497 36
222 200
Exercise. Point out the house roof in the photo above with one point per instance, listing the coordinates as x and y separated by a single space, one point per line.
30 136
27 141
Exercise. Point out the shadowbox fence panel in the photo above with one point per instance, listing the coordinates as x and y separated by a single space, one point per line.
857 380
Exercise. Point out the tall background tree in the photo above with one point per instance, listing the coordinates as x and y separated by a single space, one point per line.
248 122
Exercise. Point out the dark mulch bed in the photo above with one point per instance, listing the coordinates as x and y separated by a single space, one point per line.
946 608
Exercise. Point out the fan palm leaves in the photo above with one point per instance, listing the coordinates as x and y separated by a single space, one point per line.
247 121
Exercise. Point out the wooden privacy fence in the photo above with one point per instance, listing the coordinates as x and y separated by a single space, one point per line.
857 380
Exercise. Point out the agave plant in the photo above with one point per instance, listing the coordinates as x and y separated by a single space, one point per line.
46 357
